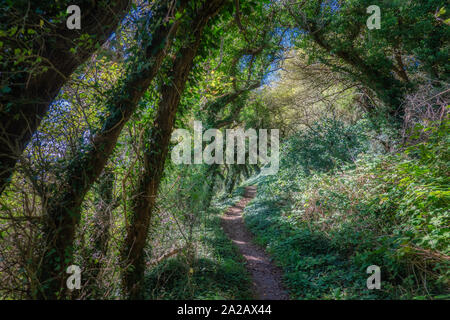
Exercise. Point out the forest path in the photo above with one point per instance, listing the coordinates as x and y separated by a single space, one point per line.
267 284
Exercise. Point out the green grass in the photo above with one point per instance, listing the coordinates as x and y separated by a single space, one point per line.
325 228
313 267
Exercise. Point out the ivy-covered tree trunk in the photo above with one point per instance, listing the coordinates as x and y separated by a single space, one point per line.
63 209
232 178
28 89
98 248
211 176
156 152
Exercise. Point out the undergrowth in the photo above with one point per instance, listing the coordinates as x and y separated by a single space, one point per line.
325 228
216 271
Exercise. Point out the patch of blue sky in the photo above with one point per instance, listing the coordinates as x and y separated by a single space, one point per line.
54 145
331 5
287 43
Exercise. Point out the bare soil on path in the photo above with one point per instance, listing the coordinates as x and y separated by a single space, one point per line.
267 284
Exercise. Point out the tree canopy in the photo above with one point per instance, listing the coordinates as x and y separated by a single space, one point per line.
86 123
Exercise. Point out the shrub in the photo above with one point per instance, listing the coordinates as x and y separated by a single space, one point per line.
389 210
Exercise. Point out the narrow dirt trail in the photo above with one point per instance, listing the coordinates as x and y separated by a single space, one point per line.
267 283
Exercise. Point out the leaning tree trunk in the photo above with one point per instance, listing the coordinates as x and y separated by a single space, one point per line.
100 234
155 154
63 209
212 174
31 88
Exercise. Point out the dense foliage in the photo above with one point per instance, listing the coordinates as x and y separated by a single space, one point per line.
86 121
389 210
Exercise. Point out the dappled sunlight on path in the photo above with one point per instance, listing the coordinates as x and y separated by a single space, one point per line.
266 277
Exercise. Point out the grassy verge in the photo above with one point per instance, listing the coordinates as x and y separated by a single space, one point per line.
325 228
313 267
